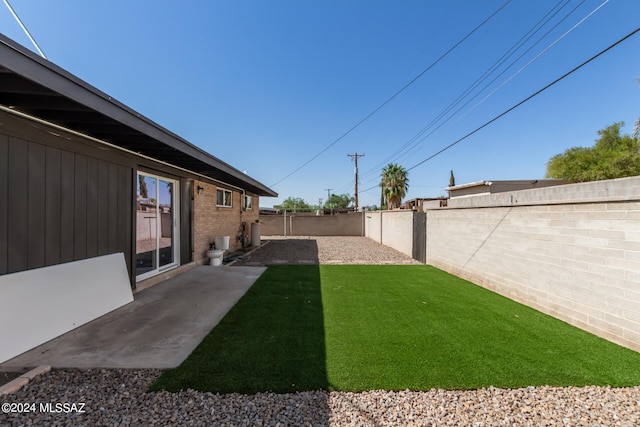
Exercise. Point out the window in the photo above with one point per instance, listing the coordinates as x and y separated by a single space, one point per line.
223 197
248 202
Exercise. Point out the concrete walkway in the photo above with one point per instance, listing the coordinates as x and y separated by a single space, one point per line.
159 329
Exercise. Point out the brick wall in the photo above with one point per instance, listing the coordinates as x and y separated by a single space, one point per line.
211 221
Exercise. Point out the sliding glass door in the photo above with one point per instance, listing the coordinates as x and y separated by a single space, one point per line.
156 224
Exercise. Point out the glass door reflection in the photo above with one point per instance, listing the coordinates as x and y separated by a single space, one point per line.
155 224
165 212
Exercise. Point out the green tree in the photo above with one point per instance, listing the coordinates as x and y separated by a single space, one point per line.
340 201
143 187
293 204
394 184
614 155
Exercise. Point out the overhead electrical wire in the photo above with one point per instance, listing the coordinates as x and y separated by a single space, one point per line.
538 92
546 49
420 136
396 94
416 139
24 28
556 41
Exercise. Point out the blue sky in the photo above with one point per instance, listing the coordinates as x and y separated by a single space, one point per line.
267 85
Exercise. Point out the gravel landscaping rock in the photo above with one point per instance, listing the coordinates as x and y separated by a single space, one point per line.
118 397
323 250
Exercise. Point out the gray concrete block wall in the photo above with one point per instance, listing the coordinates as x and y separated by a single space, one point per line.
622 189
373 225
311 225
327 225
391 228
578 262
272 225
397 230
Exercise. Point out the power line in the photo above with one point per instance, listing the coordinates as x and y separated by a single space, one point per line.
420 136
24 28
538 92
556 41
397 93
527 98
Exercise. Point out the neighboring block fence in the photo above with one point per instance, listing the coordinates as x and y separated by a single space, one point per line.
305 224
392 228
572 251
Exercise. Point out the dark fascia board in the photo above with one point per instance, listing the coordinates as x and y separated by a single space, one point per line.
26 63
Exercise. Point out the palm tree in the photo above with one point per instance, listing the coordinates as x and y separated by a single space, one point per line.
394 184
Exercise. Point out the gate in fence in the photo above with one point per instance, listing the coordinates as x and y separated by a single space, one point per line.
419 250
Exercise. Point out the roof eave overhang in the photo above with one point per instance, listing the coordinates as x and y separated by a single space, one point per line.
118 119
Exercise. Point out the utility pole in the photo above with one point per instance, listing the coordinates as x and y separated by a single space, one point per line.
355 157
328 194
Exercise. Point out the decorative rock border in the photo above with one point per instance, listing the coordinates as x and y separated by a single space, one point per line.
23 379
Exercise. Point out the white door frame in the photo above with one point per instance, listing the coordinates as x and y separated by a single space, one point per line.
175 224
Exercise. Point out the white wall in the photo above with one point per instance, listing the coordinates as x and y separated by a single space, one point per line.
41 304
396 226
373 225
391 228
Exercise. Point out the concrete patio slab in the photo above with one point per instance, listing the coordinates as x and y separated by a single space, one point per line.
159 329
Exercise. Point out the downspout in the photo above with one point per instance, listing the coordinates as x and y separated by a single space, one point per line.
243 201
192 220
243 208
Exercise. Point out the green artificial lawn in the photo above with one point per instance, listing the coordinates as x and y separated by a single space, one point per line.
393 327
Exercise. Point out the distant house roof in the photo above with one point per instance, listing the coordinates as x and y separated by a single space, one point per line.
420 203
32 85
468 185
499 186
